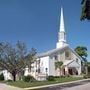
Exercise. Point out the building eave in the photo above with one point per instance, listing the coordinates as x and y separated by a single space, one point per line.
75 53
53 51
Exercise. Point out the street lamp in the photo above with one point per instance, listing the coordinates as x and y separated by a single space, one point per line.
46 72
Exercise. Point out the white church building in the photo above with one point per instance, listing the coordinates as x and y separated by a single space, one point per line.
45 63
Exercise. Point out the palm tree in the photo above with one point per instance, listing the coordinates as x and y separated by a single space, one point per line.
58 65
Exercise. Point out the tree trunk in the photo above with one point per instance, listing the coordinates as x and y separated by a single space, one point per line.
14 78
14 75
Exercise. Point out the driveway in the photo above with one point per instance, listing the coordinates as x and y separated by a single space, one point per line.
7 87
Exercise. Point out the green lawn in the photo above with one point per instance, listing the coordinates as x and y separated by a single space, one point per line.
23 84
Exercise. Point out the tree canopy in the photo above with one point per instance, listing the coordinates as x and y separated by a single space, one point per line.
14 59
82 51
85 14
58 65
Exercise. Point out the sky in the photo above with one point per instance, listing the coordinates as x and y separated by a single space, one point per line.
36 22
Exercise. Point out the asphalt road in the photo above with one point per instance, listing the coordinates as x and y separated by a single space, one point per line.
75 86
82 85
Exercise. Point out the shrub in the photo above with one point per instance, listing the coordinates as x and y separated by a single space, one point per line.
60 76
57 76
50 78
9 80
88 75
28 78
1 77
85 76
67 75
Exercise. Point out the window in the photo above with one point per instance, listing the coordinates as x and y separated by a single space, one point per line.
61 35
38 70
76 60
38 62
67 54
56 57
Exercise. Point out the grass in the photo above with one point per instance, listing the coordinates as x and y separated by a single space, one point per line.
23 84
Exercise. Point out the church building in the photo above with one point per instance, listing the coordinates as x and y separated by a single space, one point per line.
45 63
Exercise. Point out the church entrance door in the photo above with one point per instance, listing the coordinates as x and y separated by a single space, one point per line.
70 71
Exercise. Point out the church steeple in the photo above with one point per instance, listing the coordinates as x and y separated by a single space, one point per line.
62 34
62 21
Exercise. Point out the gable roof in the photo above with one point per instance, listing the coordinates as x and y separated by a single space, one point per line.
71 63
75 53
54 51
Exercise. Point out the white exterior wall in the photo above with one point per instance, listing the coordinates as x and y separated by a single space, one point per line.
7 75
79 62
49 63
52 67
79 69
44 63
26 72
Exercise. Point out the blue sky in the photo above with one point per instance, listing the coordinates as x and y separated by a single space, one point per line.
36 22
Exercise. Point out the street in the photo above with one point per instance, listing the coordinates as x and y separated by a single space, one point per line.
74 86
80 85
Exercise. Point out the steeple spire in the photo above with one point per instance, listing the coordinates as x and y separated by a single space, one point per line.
62 34
62 21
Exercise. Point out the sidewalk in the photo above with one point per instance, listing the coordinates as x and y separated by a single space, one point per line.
8 87
44 86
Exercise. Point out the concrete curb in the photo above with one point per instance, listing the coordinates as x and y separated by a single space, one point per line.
44 86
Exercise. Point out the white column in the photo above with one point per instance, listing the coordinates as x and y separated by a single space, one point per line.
26 73
79 70
66 70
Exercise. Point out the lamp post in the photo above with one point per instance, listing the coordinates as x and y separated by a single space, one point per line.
46 72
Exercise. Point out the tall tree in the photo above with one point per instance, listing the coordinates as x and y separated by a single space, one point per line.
58 65
13 59
30 58
21 51
85 14
82 52
8 59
